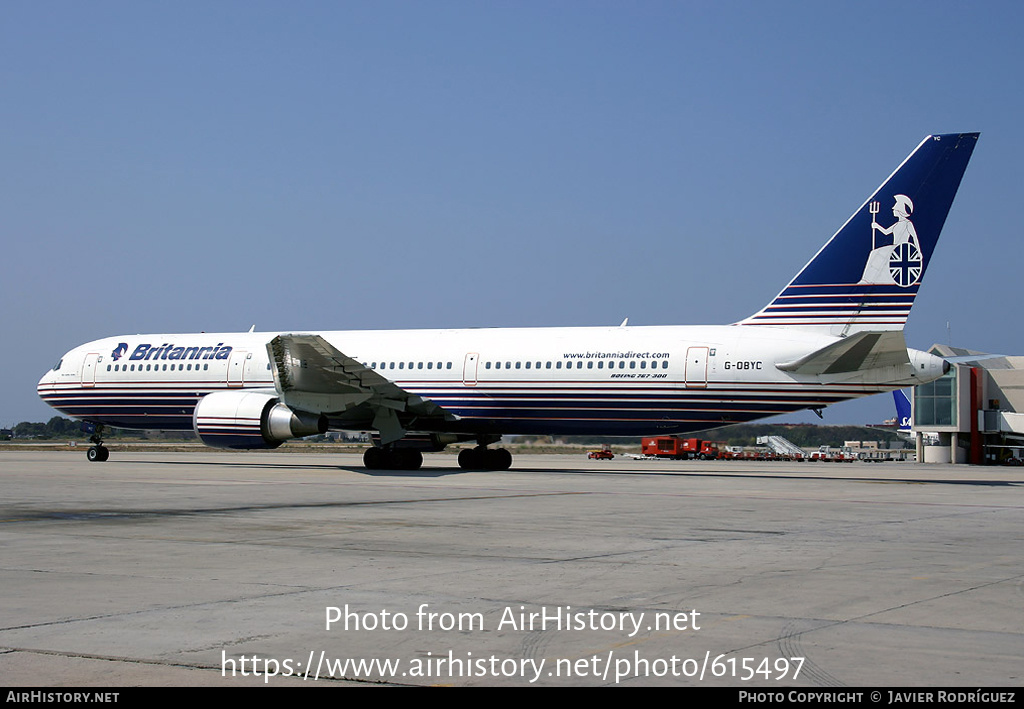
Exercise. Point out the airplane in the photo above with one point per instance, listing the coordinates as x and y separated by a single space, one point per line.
903 409
834 333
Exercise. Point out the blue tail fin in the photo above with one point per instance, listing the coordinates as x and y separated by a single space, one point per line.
902 410
866 277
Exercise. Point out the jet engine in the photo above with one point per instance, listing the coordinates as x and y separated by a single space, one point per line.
249 420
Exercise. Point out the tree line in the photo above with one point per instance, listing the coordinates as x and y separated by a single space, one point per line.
61 428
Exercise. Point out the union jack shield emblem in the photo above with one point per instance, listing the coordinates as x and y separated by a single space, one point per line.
905 264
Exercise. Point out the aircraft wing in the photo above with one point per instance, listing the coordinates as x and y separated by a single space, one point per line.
865 350
312 375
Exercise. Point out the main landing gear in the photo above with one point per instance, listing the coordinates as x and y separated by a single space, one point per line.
483 458
98 453
390 458
480 458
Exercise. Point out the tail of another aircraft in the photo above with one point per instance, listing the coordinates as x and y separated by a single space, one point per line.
866 277
902 411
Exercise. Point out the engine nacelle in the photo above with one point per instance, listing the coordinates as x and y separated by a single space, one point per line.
250 420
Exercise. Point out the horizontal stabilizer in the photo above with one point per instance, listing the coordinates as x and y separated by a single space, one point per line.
865 350
967 359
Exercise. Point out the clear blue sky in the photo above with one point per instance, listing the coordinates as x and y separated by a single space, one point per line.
187 166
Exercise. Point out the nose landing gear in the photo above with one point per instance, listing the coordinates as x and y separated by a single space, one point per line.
98 453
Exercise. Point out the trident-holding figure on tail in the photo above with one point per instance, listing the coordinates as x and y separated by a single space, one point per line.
898 263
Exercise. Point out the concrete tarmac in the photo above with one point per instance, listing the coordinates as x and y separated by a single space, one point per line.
169 569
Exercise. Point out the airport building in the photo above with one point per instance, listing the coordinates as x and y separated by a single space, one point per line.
972 414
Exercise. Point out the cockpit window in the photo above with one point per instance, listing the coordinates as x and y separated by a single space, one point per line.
59 363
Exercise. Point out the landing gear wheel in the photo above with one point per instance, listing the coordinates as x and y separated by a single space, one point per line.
393 459
373 458
97 454
502 459
470 459
406 459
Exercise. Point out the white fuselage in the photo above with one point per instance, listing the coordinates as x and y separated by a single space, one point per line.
623 381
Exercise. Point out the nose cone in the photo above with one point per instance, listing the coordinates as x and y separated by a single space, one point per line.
45 381
45 388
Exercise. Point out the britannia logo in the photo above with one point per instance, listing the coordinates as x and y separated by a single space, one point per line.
119 352
899 263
